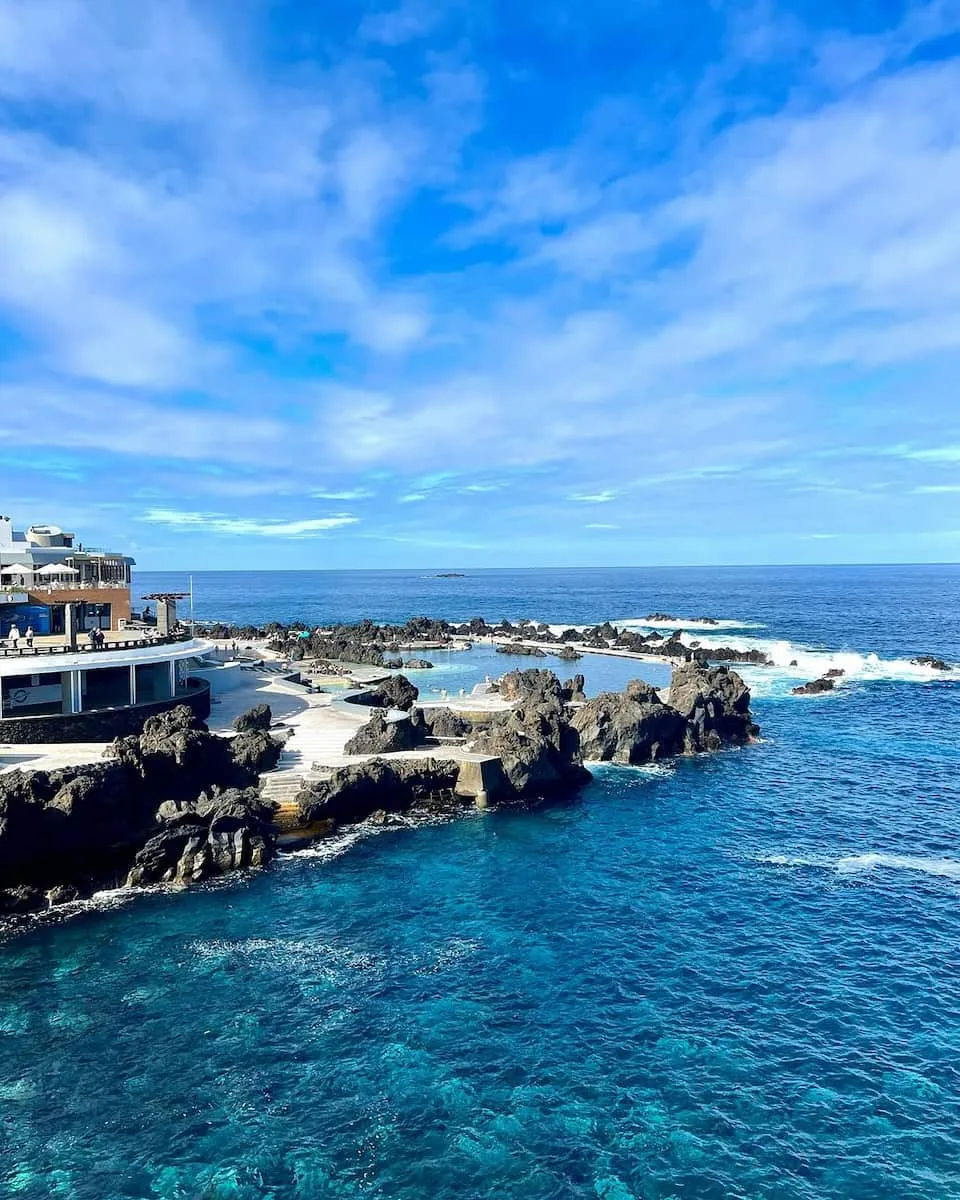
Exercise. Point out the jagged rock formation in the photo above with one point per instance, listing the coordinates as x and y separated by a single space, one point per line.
572 691
260 717
815 687
72 830
543 747
928 660
538 749
568 654
715 702
444 723
633 726
519 648
380 736
352 794
214 835
395 692
532 682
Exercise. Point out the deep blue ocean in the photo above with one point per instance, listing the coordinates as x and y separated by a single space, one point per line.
734 976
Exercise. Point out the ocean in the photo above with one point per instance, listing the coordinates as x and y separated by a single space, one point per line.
731 976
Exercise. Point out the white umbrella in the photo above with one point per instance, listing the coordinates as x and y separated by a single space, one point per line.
17 569
57 569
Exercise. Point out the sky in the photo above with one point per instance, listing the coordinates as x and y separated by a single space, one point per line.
566 282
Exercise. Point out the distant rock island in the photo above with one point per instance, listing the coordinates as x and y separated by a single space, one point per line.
450 575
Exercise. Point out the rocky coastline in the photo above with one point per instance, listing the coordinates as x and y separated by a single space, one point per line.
174 804
179 805
367 643
540 744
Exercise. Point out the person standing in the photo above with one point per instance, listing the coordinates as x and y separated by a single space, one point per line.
14 635
28 636
92 635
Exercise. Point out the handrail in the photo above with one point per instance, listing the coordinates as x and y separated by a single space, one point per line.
128 644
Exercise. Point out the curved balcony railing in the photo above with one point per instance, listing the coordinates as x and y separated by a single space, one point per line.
21 650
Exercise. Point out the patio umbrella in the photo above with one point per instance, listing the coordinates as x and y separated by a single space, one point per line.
17 569
58 569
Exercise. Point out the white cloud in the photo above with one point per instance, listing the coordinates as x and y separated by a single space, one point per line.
600 525
191 232
936 454
350 494
394 26
219 523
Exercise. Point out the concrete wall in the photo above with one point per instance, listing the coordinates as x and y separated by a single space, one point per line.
223 678
103 725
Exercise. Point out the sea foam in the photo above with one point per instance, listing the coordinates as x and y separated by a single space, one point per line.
794 662
871 860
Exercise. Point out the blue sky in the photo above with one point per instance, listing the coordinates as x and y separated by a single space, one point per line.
305 285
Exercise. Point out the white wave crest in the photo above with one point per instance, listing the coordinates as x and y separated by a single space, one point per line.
682 623
656 770
794 661
856 864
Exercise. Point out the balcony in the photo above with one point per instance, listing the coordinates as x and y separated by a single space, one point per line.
122 640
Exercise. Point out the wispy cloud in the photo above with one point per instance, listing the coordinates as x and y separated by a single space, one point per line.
219 523
593 497
600 525
349 494
947 454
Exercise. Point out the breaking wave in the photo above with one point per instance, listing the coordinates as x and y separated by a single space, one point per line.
859 864
795 663
682 623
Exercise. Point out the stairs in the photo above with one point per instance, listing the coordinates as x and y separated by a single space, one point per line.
280 786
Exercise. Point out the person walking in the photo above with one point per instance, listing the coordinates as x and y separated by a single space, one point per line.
14 635
28 635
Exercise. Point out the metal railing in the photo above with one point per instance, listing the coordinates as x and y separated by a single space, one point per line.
21 650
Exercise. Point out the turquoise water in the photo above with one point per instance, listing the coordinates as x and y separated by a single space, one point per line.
737 976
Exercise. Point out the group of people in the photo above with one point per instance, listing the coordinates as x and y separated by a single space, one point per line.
13 636
96 636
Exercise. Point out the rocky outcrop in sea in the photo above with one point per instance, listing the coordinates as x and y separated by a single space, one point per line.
174 804
541 743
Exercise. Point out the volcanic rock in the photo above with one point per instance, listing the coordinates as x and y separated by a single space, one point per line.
380 736
254 719
815 687
395 692
568 654
573 692
444 723
516 685
716 705
538 749
629 727
352 794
